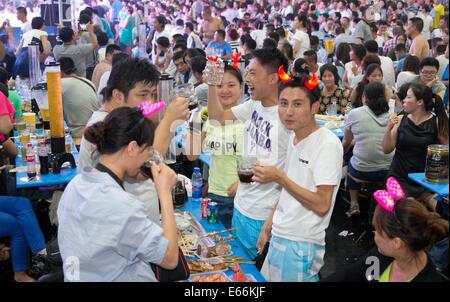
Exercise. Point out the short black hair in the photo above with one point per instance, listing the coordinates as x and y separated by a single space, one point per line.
37 23
371 46
189 25
22 10
111 48
66 34
102 37
250 44
163 41
440 49
181 45
84 19
177 38
221 32
269 43
359 51
198 64
314 40
275 36
161 20
303 19
400 47
119 57
429 61
128 73
271 59
299 82
417 23
178 55
310 53
67 65
179 22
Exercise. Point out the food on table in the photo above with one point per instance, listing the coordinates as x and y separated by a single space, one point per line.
219 250
238 274
329 117
201 266
211 278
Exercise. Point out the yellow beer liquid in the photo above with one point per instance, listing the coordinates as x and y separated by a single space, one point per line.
55 104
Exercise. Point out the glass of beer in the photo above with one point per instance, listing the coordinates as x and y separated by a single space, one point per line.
30 120
245 169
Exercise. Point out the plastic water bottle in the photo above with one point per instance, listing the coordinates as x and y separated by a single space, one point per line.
31 162
197 183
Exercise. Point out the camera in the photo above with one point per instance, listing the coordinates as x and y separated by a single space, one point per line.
82 27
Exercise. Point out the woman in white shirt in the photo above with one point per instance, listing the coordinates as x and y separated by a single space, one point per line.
410 71
353 73
104 233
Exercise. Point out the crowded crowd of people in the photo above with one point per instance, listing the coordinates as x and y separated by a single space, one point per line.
383 65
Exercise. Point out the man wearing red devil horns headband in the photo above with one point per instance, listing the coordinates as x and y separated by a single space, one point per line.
309 181
265 138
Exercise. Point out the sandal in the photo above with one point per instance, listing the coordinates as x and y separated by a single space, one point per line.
353 211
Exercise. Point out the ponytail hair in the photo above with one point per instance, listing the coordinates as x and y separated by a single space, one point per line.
120 127
432 102
412 222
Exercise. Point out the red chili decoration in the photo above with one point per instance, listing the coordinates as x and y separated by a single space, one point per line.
236 58
284 77
213 58
312 82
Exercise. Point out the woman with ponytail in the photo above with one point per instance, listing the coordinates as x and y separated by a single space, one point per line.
365 126
404 233
104 233
423 122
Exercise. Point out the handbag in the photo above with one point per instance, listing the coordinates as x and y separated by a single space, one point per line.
181 272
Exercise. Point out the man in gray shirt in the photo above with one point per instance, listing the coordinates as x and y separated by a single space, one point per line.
363 32
80 54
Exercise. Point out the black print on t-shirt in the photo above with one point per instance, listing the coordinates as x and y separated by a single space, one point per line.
215 145
303 161
259 130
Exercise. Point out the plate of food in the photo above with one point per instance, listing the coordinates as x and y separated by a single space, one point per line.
329 117
206 265
334 124
221 249
210 277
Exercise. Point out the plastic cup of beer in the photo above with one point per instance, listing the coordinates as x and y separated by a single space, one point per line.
45 113
30 120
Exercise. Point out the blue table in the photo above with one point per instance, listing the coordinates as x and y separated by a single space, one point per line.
339 132
194 208
63 178
440 189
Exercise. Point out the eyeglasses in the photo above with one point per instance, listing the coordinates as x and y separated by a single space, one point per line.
428 73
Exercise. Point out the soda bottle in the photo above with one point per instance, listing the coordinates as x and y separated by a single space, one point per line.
43 157
31 162
197 183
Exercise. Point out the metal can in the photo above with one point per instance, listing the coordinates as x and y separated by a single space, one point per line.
213 212
436 168
205 202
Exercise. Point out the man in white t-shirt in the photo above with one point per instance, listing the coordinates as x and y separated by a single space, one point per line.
387 66
301 38
309 181
265 138
22 17
144 78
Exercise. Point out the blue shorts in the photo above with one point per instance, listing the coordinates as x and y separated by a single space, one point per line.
247 232
294 261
